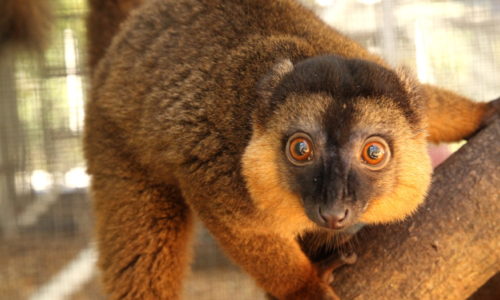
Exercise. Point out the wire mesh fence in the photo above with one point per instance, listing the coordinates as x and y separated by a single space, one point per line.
46 248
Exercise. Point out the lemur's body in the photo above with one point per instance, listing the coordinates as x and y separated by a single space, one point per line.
212 106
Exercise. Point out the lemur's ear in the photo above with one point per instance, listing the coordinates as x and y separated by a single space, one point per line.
272 79
412 87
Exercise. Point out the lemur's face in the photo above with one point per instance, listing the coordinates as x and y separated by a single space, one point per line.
347 144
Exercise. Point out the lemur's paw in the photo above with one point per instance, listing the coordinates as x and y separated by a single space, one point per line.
492 112
325 268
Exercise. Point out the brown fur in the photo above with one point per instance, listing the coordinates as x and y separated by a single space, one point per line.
103 23
452 117
25 24
173 126
150 222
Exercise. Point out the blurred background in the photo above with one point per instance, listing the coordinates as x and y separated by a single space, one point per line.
46 248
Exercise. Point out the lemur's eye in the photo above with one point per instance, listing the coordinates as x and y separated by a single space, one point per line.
376 153
299 149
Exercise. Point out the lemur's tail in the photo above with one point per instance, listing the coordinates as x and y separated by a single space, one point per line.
24 24
103 22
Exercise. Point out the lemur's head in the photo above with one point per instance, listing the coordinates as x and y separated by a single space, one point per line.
337 142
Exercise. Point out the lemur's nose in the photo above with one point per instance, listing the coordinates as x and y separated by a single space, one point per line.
335 218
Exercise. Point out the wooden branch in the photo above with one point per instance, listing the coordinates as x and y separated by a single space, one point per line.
450 247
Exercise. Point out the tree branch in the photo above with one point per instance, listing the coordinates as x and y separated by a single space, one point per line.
450 247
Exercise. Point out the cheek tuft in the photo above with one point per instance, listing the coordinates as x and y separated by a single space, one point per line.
281 208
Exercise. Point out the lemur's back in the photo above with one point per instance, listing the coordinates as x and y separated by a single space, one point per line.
199 60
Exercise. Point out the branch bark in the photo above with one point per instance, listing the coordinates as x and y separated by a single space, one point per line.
450 247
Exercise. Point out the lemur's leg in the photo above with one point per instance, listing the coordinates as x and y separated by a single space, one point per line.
277 264
275 261
143 232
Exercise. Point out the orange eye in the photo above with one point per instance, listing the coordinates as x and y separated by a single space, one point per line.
299 149
375 153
